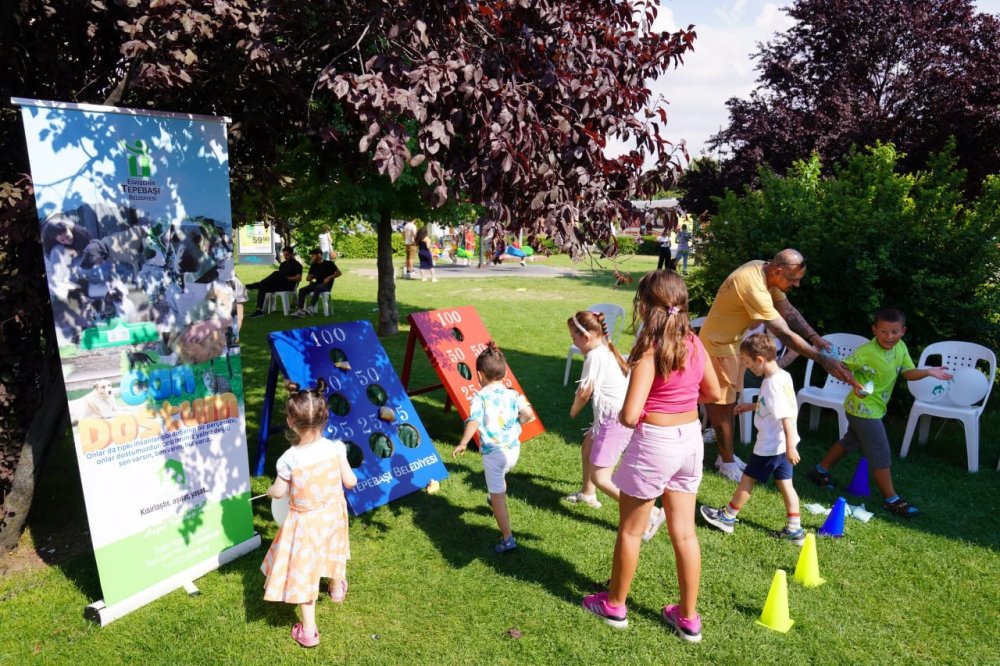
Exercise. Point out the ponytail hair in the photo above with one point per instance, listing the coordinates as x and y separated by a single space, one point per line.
661 305
306 409
594 323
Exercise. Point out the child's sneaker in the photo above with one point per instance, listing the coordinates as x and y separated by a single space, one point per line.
708 436
688 629
821 479
717 518
731 471
798 537
614 616
580 498
507 544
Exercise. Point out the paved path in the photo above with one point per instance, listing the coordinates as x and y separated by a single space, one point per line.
507 269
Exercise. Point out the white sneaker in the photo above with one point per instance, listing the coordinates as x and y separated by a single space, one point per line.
434 280
656 519
731 471
736 459
300 314
708 436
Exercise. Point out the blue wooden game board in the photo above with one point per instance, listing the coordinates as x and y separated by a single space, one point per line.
390 459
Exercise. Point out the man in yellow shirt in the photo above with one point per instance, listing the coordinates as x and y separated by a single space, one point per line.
755 292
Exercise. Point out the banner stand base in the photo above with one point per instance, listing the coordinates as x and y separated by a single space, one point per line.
105 615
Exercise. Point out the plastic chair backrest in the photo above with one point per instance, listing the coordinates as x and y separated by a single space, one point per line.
614 318
845 344
955 354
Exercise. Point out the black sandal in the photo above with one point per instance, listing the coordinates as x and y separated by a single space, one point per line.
901 508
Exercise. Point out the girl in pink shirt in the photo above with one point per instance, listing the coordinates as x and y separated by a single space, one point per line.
669 377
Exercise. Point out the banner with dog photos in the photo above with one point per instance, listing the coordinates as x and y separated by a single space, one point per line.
137 236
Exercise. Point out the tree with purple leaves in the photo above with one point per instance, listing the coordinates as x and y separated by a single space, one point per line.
853 72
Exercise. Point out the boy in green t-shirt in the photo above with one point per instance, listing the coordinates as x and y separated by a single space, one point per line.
876 365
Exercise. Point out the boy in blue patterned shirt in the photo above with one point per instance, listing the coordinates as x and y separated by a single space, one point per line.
497 413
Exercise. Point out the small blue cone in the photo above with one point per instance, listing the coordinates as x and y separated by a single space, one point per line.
834 525
859 484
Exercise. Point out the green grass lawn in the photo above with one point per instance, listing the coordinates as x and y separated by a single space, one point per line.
426 586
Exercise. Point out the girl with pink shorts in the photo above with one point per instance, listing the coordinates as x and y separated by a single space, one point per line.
603 383
669 377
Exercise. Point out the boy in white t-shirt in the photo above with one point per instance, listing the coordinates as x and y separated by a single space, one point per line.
777 438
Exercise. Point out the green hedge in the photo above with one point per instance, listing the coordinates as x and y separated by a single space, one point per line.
649 245
364 246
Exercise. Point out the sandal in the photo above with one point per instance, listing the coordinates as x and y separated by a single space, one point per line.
300 636
901 508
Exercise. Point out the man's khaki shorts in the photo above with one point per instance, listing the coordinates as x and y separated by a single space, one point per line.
730 371
411 254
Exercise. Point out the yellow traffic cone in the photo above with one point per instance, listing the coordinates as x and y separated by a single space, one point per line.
807 570
775 613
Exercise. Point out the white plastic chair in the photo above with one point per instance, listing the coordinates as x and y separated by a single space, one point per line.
831 395
285 296
954 355
614 319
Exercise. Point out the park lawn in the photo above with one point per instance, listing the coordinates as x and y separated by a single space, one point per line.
426 586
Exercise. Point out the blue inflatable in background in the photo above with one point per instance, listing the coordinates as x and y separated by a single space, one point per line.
387 445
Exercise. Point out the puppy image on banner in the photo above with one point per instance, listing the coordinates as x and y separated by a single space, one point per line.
100 403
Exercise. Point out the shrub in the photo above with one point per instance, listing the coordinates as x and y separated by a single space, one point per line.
871 236
626 244
363 246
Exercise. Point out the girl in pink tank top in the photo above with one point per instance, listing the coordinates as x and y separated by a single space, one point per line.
664 457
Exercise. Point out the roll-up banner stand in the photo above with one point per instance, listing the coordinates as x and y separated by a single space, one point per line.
137 235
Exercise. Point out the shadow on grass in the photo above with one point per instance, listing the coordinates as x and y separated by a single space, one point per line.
460 543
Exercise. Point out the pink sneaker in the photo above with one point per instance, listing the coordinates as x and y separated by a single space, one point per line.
615 616
300 637
688 629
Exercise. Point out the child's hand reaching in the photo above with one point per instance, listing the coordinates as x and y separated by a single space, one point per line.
792 453
459 450
745 407
939 373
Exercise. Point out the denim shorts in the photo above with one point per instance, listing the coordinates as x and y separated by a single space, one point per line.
760 468
660 458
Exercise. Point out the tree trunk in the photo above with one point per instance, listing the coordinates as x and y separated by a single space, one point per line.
388 315
48 425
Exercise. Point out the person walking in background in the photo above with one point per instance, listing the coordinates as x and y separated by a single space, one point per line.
683 247
497 414
410 242
423 241
312 543
286 278
670 375
665 261
326 243
322 273
775 451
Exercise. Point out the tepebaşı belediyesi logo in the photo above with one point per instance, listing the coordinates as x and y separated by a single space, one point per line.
139 186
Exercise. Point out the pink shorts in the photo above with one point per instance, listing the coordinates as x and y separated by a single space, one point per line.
610 439
661 458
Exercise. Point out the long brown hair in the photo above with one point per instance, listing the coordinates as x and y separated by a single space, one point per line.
593 323
661 304
306 409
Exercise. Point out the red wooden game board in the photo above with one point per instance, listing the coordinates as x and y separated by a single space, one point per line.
452 339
